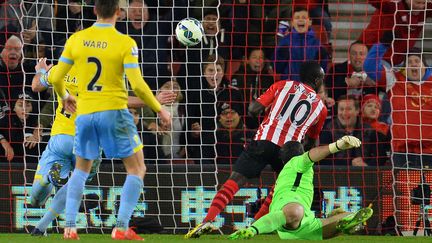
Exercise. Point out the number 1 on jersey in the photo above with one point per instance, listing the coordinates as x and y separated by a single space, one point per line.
92 85
299 112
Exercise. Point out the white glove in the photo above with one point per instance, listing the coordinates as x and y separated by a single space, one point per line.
344 143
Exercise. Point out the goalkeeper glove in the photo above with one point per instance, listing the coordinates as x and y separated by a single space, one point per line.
344 143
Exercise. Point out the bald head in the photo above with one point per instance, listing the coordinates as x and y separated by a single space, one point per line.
12 52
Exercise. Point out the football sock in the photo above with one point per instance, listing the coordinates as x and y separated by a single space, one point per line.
129 197
221 199
57 207
74 194
269 222
40 193
264 209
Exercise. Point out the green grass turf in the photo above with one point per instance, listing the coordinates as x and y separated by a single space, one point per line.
25 238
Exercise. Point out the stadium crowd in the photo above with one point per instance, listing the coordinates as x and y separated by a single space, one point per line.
380 94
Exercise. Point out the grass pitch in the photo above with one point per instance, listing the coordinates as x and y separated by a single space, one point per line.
25 238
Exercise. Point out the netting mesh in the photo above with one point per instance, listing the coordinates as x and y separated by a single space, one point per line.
248 45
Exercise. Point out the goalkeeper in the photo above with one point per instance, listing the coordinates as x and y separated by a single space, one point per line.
290 213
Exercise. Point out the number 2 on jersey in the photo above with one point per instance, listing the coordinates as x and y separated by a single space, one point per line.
92 85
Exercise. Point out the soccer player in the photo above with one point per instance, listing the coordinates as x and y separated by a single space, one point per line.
58 159
295 110
102 56
290 213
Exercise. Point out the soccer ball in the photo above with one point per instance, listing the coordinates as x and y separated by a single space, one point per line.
189 32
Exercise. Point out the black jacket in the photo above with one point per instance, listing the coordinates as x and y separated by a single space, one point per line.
252 84
201 108
230 143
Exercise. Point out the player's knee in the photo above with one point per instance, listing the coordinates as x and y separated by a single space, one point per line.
143 170
139 170
294 214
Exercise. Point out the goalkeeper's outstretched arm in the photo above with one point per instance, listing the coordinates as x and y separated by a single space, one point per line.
344 143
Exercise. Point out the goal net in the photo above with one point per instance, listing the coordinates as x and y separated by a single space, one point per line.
244 50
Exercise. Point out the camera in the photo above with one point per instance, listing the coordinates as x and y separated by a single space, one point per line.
421 194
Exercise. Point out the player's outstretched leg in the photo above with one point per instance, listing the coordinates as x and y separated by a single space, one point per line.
54 165
40 193
352 220
41 189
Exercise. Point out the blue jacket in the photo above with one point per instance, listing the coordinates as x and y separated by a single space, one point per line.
294 49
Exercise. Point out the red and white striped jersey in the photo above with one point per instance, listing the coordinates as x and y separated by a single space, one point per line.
295 110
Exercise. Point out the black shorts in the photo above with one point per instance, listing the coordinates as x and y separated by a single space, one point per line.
255 158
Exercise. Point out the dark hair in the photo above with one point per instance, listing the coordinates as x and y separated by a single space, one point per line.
350 97
356 43
210 11
300 8
212 59
252 49
312 74
106 8
289 150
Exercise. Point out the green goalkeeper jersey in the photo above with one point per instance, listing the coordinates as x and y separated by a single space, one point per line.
296 180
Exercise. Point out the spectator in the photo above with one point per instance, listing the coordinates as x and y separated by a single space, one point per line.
348 78
173 142
320 14
11 73
328 101
28 18
13 137
406 17
70 16
214 42
298 46
346 122
256 23
253 78
375 153
151 35
201 110
170 139
409 90
214 36
231 133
